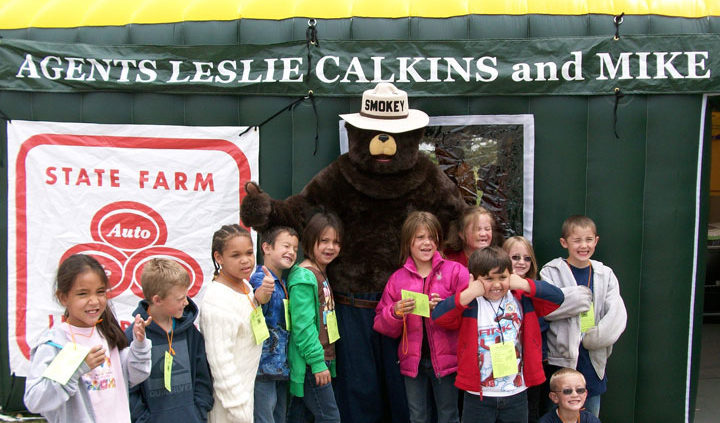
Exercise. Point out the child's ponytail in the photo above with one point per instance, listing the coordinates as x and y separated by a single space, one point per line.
110 329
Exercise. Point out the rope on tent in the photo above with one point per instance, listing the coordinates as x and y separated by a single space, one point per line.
290 107
618 20
618 96
311 40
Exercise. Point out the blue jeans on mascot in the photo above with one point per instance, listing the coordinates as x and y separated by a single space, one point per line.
369 387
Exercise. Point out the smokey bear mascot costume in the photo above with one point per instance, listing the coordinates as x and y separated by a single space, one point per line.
372 189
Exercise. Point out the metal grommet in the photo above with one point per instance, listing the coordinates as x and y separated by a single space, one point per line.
617 90
312 22
310 92
618 19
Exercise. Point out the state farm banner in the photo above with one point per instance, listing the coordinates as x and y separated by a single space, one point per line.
122 193
590 65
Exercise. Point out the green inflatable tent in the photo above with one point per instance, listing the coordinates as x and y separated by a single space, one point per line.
618 95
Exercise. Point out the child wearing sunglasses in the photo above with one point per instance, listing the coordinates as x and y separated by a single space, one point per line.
568 392
524 265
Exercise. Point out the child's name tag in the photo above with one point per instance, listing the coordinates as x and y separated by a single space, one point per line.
587 319
286 306
422 302
258 326
504 359
168 370
66 363
332 327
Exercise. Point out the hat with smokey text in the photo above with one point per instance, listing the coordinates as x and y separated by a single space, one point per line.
385 108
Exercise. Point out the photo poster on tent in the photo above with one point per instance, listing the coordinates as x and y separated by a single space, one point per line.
121 193
491 159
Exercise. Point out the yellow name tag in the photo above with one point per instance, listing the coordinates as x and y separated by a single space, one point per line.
422 302
66 362
587 319
286 306
504 359
258 326
332 327
168 370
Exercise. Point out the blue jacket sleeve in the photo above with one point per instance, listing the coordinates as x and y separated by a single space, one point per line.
139 411
448 313
203 380
546 297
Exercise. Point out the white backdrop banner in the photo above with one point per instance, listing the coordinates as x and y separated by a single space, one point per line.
122 193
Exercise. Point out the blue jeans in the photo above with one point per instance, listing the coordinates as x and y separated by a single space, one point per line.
369 387
512 409
444 392
270 401
318 401
592 405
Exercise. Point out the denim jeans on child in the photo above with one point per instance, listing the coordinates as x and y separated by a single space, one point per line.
319 400
270 401
592 405
444 392
512 409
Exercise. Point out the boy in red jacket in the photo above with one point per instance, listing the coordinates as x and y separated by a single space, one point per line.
499 345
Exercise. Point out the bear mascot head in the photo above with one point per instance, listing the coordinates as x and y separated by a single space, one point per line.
372 189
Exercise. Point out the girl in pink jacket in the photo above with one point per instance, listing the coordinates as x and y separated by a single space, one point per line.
427 353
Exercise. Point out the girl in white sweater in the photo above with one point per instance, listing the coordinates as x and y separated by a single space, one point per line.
232 352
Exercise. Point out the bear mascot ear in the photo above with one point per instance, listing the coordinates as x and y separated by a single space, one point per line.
256 206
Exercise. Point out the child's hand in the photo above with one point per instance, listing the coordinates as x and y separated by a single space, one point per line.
95 357
323 378
591 340
516 282
434 300
139 327
475 289
403 307
265 290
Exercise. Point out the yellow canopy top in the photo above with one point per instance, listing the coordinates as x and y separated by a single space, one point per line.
76 13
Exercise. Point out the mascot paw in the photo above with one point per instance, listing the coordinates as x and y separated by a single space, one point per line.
256 206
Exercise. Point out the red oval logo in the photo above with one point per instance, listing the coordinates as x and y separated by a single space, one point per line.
128 230
128 226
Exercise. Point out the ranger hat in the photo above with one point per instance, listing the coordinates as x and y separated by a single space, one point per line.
385 108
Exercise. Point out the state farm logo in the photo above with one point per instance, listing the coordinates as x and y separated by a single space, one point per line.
128 226
127 234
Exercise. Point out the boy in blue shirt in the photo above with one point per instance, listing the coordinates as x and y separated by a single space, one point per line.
592 317
568 392
186 394
280 246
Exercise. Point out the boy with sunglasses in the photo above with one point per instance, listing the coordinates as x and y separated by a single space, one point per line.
568 392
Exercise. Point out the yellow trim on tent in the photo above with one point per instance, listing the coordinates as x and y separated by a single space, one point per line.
16 14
